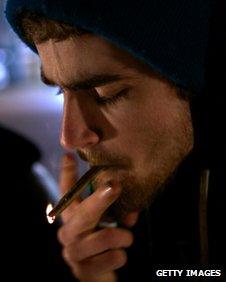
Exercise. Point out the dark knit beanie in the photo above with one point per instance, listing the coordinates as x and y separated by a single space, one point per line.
171 36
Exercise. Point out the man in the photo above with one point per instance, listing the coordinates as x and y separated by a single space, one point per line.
132 75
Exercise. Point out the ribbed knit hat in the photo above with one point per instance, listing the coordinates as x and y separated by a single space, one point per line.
171 36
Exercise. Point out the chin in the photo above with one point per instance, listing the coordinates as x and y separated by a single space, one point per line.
139 193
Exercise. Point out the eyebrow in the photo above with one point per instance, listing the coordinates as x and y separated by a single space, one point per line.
92 81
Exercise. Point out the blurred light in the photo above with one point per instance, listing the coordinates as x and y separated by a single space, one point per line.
60 99
4 77
2 56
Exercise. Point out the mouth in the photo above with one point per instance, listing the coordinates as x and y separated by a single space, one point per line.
106 166
109 171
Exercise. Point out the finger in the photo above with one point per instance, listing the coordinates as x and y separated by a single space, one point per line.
68 172
68 177
99 264
98 242
88 213
130 219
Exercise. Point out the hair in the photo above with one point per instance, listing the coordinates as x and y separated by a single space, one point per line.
37 29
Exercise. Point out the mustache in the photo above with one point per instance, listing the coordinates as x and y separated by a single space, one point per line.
102 158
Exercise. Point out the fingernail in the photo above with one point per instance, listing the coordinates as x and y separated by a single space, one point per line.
107 189
110 190
69 157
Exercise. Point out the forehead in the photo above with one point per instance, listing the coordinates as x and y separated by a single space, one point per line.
85 54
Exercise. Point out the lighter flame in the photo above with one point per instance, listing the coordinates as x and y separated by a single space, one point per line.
48 210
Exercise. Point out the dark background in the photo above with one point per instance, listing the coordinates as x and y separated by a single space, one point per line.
30 153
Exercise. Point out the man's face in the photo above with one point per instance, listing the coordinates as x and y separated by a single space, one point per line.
118 112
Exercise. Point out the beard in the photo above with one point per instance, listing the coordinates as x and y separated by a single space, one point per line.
137 192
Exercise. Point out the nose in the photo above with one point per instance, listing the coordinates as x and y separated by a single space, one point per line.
77 132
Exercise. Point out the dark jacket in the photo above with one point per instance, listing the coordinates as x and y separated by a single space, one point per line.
29 247
167 235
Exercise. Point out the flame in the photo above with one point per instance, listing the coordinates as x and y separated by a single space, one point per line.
48 210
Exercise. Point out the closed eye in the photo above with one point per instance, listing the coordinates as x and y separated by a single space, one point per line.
104 100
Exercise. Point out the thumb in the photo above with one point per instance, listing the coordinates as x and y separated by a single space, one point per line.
68 176
130 219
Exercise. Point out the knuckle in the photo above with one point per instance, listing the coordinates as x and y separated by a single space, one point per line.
79 271
62 236
86 216
116 238
66 255
70 254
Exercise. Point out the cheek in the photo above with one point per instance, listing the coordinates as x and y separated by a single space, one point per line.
149 123
139 123
135 129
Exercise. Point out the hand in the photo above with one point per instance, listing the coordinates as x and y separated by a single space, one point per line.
92 254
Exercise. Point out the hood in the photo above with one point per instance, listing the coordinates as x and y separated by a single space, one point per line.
170 36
